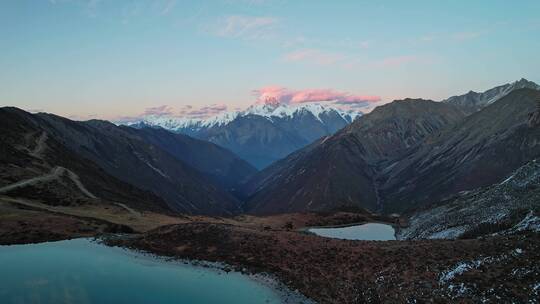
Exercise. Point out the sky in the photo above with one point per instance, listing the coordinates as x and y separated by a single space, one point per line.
111 59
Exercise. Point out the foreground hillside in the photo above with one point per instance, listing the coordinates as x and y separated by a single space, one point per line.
502 268
488 269
491 253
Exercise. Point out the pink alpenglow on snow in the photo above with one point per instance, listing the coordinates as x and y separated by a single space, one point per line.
273 94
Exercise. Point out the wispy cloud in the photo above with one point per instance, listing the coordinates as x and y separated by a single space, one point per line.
248 27
314 56
163 110
168 7
273 94
203 112
187 111
463 36
347 61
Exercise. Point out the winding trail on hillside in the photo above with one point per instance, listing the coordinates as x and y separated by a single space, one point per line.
55 174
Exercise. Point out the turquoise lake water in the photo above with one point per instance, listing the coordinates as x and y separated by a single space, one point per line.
366 232
82 271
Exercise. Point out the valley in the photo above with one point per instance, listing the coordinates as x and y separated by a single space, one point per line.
424 168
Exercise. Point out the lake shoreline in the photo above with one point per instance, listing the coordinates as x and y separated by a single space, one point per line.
361 234
308 263
269 280
98 266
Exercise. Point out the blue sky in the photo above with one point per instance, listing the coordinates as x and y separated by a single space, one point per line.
109 59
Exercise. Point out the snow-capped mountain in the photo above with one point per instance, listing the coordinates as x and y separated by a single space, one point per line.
262 133
474 101
269 111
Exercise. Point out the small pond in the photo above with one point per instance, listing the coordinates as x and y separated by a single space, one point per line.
83 271
365 232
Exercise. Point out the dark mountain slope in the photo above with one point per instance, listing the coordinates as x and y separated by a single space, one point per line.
221 165
27 152
256 139
480 151
341 170
391 129
261 134
129 158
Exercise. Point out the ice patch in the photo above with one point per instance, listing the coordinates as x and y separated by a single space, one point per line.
450 233
458 270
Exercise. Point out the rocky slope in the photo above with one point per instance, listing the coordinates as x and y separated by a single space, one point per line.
341 170
511 205
474 101
262 133
481 150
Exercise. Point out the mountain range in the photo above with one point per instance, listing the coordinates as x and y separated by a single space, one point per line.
341 170
261 134
403 155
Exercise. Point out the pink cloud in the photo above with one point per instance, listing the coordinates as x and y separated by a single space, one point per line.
276 94
187 111
163 110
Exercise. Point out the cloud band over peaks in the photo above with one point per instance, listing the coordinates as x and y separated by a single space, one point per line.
277 94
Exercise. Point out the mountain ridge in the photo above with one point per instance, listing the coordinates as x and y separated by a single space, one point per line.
474 101
499 133
389 160
340 170
127 156
263 133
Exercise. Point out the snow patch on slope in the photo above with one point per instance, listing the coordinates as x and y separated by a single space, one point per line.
485 206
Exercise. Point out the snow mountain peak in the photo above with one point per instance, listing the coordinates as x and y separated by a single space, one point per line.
268 110
262 133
